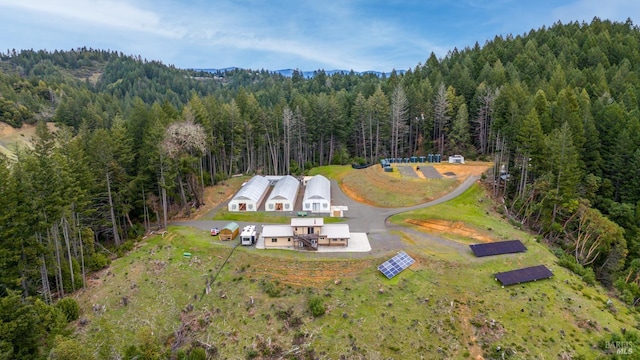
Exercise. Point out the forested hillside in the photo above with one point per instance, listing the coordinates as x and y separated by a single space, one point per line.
558 109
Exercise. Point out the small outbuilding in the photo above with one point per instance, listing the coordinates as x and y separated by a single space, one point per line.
338 210
229 231
250 196
284 194
317 195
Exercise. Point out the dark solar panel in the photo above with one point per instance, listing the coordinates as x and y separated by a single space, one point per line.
498 248
524 275
396 264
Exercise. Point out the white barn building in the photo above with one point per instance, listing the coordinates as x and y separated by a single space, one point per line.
317 195
250 196
284 194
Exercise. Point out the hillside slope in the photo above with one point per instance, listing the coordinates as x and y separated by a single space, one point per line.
447 305
12 138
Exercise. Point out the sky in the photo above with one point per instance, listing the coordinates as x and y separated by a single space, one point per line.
359 35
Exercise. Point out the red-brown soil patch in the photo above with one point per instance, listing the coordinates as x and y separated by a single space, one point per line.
316 274
435 227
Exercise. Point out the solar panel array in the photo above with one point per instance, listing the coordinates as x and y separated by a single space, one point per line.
396 264
498 248
524 275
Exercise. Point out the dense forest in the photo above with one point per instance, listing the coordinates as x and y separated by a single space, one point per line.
557 109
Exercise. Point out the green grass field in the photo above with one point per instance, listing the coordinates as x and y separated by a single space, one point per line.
447 305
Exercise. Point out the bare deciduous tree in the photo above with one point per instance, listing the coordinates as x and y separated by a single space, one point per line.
440 116
484 117
399 112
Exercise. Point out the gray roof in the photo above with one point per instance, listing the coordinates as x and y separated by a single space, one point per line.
336 231
277 231
286 188
253 190
307 221
319 187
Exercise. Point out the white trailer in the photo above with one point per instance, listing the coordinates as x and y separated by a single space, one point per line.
248 236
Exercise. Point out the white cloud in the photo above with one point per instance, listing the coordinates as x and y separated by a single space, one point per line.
310 34
103 13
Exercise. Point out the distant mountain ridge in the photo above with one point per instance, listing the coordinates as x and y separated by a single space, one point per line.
308 74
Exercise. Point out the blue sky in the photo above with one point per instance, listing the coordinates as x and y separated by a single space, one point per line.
278 34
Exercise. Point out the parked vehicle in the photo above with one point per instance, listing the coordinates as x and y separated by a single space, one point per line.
249 235
215 231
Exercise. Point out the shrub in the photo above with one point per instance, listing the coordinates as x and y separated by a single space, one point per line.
69 349
270 288
589 276
69 308
316 306
125 248
569 262
97 261
197 353
66 276
136 231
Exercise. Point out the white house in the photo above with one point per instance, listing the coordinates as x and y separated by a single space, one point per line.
284 194
317 195
306 233
250 196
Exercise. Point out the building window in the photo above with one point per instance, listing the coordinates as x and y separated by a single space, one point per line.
286 206
289 239
250 206
234 206
325 205
270 206
274 240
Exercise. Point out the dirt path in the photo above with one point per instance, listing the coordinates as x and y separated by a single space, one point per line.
475 351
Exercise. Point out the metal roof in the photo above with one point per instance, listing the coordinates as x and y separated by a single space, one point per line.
336 231
319 187
253 190
307 221
269 231
231 226
286 188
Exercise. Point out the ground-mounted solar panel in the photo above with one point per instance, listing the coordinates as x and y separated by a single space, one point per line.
498 248
527 274
396 264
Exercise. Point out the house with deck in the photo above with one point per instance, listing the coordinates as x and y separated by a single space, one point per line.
305 234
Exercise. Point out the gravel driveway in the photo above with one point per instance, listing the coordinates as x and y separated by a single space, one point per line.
363 218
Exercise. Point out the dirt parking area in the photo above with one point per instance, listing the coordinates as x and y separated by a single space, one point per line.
462 171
